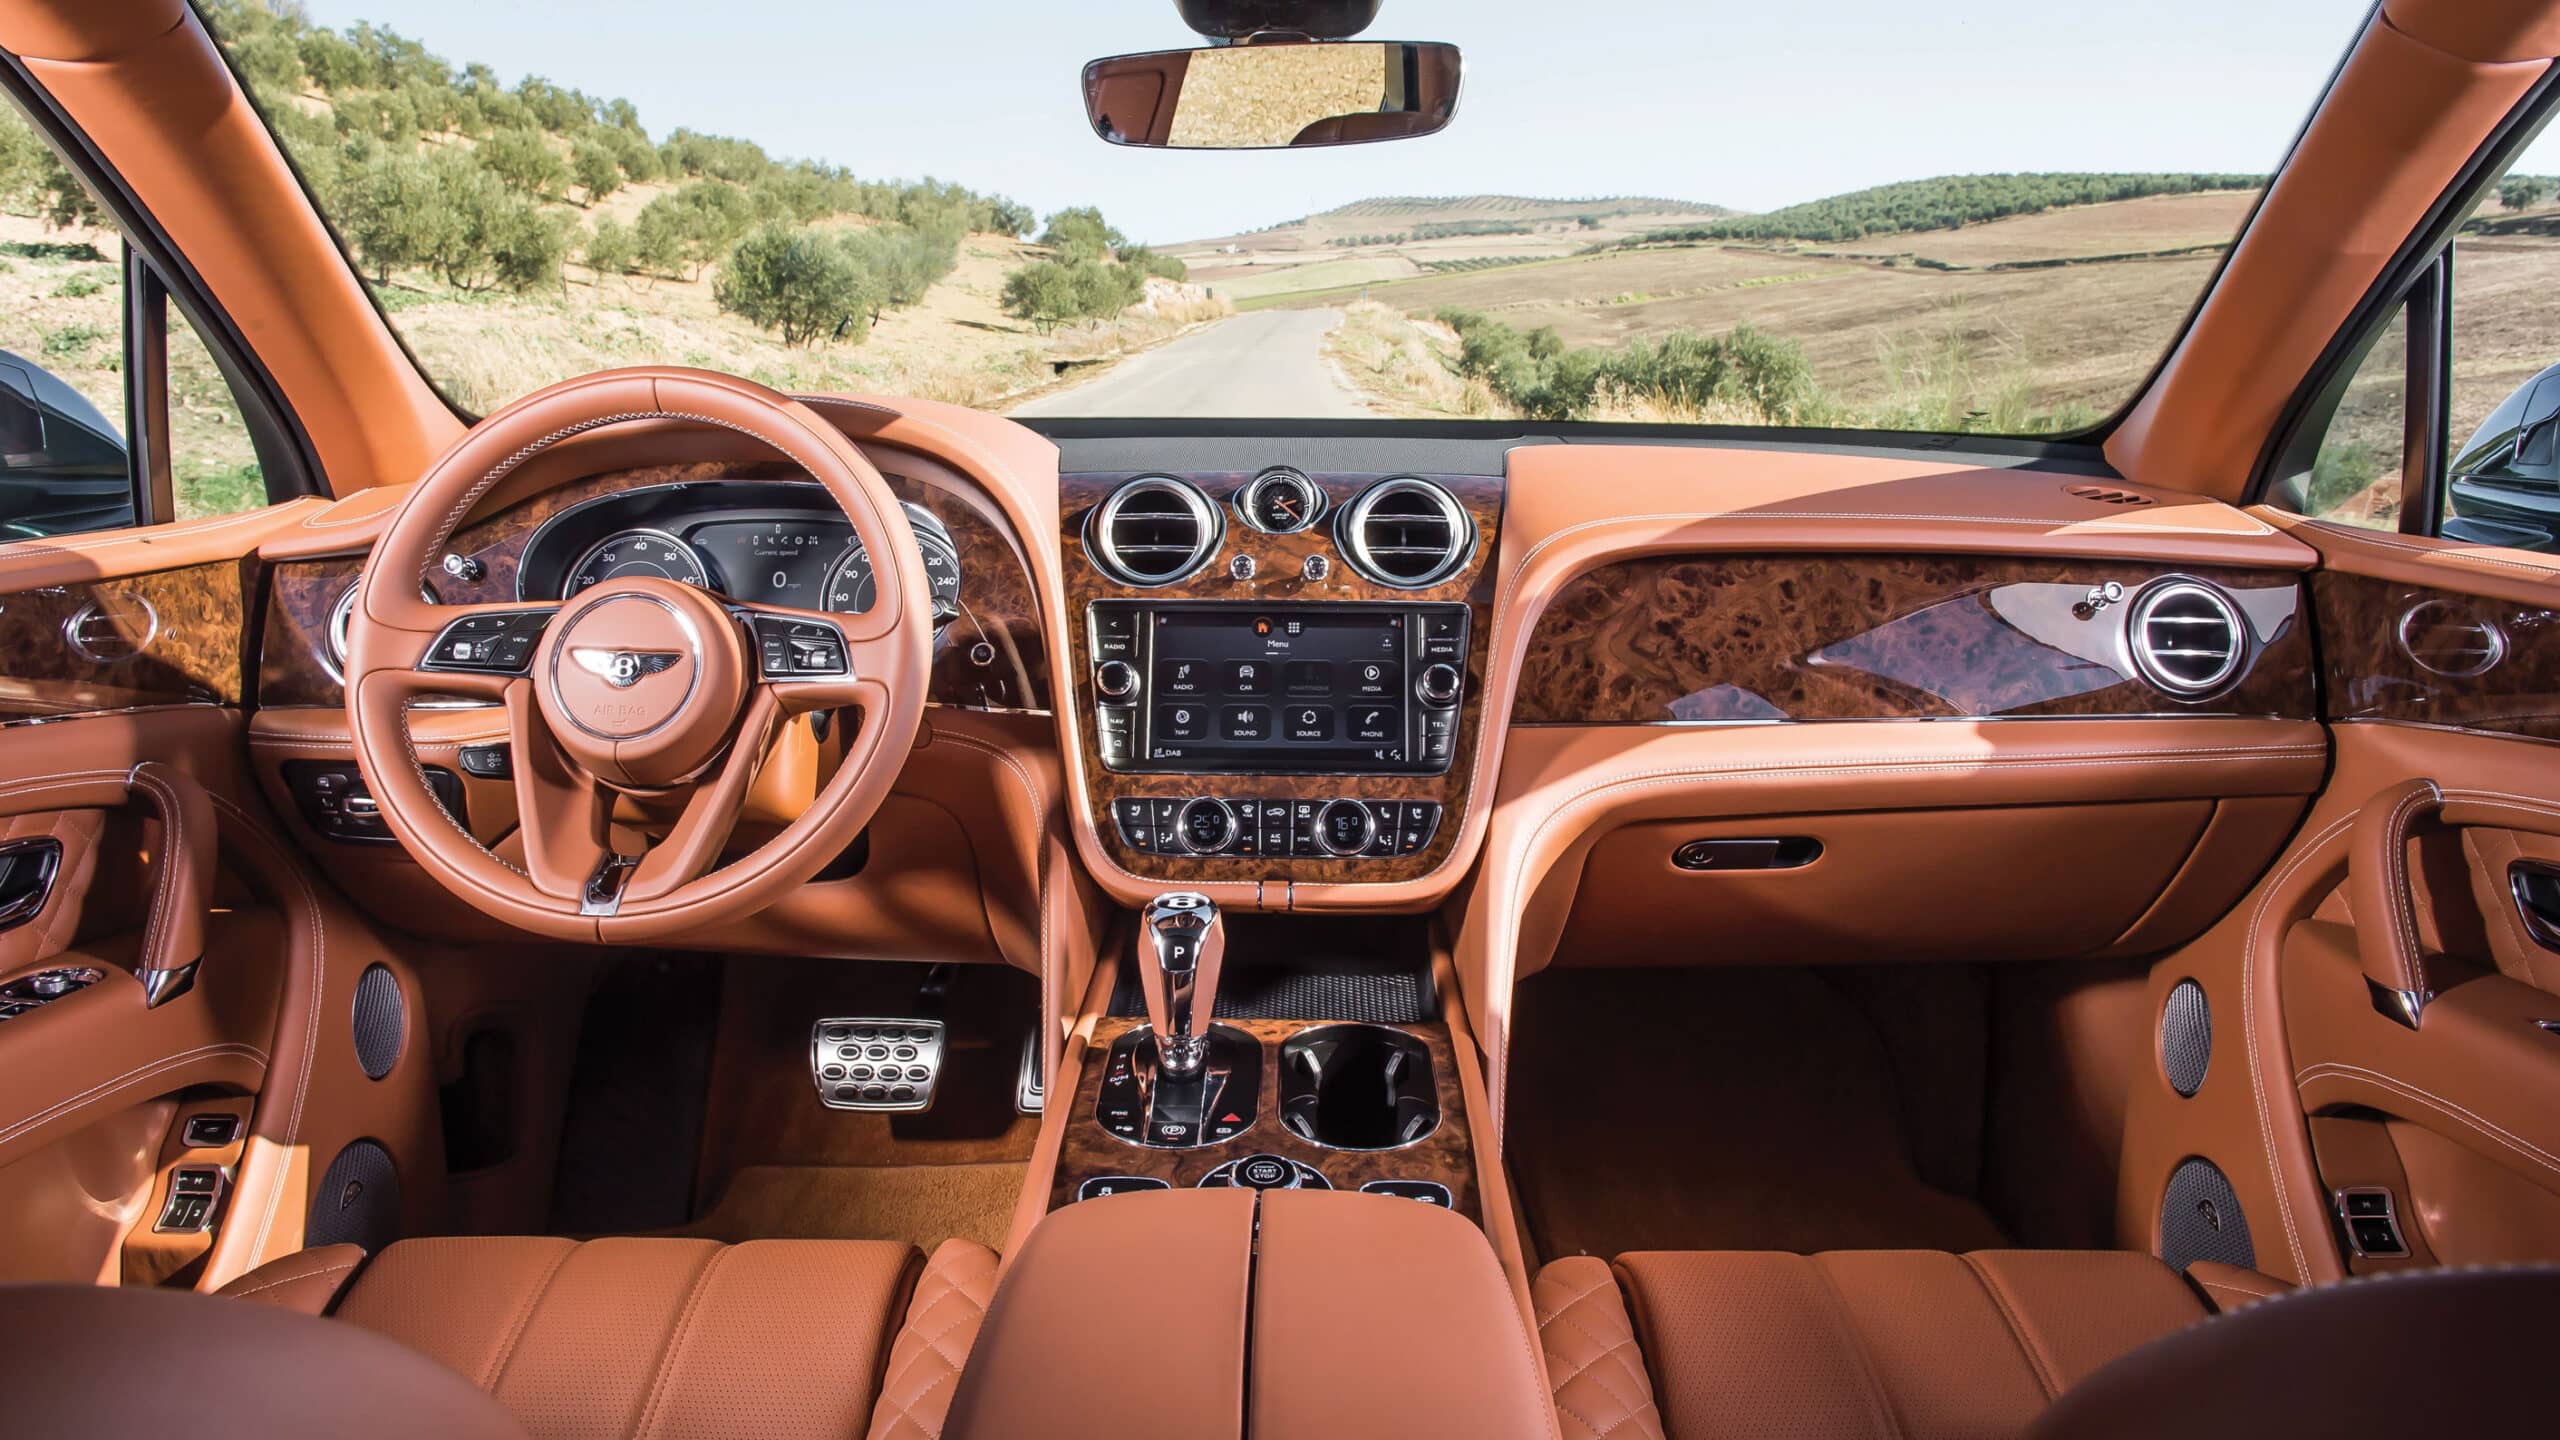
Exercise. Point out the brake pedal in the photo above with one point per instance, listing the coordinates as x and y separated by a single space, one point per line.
876 1064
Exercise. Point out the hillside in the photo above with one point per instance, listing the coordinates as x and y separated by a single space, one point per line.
519 234
1945 202
2039 322
1399 237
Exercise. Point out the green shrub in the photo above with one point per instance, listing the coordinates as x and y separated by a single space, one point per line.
801 282
391 209
1538 374
71 342
593 165
525 162
681 231
632 151
79 287
1009 217
1080 233
1050 293
610 248
1148 262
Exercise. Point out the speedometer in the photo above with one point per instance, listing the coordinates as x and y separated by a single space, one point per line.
853 588
651 553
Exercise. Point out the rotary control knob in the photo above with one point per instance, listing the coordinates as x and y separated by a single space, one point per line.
1116 679
1438 685
1345 827
1207 826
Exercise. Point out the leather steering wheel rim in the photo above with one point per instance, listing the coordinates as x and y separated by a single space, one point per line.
564 806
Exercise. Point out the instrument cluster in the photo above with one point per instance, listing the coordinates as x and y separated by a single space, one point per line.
756 541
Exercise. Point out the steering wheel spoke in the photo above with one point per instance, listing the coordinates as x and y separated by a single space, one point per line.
711 811
562 815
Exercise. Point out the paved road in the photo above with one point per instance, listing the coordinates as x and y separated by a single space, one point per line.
1269 363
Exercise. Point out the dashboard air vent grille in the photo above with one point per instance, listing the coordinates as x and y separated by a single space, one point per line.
2450 639
2187 637
2108 494
1155 530
1407 533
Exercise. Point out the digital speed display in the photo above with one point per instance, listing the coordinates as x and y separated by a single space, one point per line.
774 562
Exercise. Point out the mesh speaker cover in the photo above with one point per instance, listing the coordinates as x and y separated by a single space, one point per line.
2200 1219
358 1202
381 1021
2186 1037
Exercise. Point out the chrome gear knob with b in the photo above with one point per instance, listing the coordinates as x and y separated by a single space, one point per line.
1181 945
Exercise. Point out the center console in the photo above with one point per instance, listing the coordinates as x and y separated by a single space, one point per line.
1281 673
1180 1101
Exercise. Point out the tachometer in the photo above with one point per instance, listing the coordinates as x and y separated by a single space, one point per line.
853 588
627 553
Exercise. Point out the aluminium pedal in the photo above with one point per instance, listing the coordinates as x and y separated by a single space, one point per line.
882 1063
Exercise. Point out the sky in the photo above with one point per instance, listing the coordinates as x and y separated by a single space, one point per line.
1748 105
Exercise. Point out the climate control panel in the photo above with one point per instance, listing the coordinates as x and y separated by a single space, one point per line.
1343 828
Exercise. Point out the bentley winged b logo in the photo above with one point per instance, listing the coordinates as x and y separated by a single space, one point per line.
623 669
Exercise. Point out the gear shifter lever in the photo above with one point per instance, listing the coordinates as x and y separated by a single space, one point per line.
1180 945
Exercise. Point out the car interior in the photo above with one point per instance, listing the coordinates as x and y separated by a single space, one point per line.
685 903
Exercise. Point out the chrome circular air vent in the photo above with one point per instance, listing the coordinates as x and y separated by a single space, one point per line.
2186 636
2444 637
1153 531
1406 532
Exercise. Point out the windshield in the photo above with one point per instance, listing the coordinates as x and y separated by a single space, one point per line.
1869 214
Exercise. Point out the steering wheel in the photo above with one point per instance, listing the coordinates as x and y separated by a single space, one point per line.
635 687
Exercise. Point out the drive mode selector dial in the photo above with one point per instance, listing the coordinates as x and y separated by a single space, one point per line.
1207 826
1345 827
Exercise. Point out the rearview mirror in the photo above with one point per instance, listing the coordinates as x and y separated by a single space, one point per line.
1273 96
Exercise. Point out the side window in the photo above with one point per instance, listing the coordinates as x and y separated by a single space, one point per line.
2355 474
2502 466
113 408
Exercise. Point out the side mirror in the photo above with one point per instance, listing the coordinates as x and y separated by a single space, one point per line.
1273 95
62 462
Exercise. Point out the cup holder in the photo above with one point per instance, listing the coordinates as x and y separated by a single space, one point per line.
1357 1087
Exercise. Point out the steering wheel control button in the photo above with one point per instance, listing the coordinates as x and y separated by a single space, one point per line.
1427 1191
1101 1187
492 643
798 649
896 1062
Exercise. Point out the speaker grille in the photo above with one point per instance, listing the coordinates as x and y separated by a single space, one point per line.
358 1202
381 1021
2200 1219
2186 1037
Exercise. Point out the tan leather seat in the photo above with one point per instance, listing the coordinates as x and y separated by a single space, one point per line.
102 1362
668 1337
1900 1345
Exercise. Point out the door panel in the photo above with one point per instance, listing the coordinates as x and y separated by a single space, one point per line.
123 651
2437 668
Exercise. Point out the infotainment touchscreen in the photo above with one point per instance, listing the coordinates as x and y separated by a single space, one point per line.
1327 688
